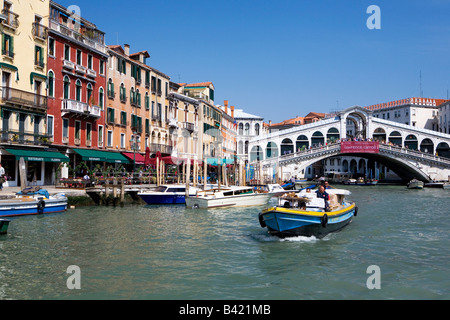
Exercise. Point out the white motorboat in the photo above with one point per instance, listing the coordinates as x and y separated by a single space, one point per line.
415 184
229 197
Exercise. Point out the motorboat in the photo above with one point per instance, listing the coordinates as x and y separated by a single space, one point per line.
446 186
167 194
350 181
33 201
229 197
415 184
4 226
305 214
434 184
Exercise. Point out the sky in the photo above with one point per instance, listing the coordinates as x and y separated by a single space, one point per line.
285 58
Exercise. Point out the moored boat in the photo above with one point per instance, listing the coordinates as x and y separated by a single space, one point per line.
33 201
304 214
4 226
167 194
415 184
229 197
446 186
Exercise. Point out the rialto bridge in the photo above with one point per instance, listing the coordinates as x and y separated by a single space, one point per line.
408 151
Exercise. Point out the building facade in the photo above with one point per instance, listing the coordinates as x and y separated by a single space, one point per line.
137 104
249 126
77 59
24 103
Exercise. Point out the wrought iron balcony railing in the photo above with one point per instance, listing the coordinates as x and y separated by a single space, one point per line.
24 98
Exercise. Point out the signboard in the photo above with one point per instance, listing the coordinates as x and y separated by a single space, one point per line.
360 147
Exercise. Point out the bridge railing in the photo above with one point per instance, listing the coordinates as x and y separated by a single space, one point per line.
415 153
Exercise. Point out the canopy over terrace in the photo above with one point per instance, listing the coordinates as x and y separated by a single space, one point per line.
174 161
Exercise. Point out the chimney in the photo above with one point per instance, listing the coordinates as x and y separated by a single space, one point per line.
226 106
232 111
127 49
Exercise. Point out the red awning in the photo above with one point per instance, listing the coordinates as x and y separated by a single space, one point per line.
139 157
174 161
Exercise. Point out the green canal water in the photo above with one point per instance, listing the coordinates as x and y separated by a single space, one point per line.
174 253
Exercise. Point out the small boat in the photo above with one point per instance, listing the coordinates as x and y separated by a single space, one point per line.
167 194
288 186
304 214
350 181
446 186
415 184
4 226
229 197
434 184
33 201
369 182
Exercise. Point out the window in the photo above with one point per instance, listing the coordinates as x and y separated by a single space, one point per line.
50 125
110 138
66 52
51 47
51 84
110 115
7 46
65 128
79 57
147 102
66 87
78 90
122 140
102 67
101 98
77 130
123 93
90 97
89 62
123 118
100 136
88 132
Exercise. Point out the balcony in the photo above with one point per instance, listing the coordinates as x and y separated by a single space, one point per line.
68 65
91 73
154 147
25 138
80 108
80 69
24 99
83 38
173 123
12 19
40 31
189 126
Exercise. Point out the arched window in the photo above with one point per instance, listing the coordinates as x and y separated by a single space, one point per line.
51 84
256 154
427 146
78 88
101 97
411 142
302 143
247 129
110 89
241 129
90 98
333 135
66 87
271 150
317 139
257 129
396 138
287 146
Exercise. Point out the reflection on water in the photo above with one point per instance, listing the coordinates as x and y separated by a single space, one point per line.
170 252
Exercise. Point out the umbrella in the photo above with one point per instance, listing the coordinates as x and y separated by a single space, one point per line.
147 157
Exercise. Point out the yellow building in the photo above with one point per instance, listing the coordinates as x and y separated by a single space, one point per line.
23 65
137 104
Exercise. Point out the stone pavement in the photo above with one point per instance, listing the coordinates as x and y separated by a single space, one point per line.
10 192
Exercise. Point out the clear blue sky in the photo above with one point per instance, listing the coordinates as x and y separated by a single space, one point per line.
279 59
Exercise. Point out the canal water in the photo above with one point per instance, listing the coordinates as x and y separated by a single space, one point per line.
174 253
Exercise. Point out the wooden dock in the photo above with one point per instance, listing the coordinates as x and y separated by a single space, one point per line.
114 194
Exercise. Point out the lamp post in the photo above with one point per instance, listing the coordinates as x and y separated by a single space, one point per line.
133 144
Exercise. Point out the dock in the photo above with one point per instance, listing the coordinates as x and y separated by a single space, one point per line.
114 194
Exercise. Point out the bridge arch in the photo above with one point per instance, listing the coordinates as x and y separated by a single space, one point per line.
256 154
379 134
272 150
411 142
287 146
302 143
360 117
396 138
443 150
427 146
317 138
333 134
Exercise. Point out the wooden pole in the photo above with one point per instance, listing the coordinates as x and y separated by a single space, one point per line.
205 173
157 172
188 169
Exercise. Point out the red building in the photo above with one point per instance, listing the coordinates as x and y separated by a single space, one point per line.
77 62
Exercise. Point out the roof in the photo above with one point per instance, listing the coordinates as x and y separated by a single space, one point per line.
294 121
428 102
240 114
199 84
145 53
315 115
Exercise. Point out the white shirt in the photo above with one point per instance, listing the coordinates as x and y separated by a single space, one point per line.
2 171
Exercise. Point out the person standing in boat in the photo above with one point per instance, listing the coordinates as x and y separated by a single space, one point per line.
322 194
2 177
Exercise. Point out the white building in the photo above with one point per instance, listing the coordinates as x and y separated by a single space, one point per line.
444 117
249 126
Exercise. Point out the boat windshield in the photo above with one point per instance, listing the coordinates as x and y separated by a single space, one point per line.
160 189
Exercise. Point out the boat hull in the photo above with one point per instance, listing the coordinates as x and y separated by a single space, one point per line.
4 224
231 201
163 198
25 208
285 223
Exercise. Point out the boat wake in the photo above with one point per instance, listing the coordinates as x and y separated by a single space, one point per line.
300 239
